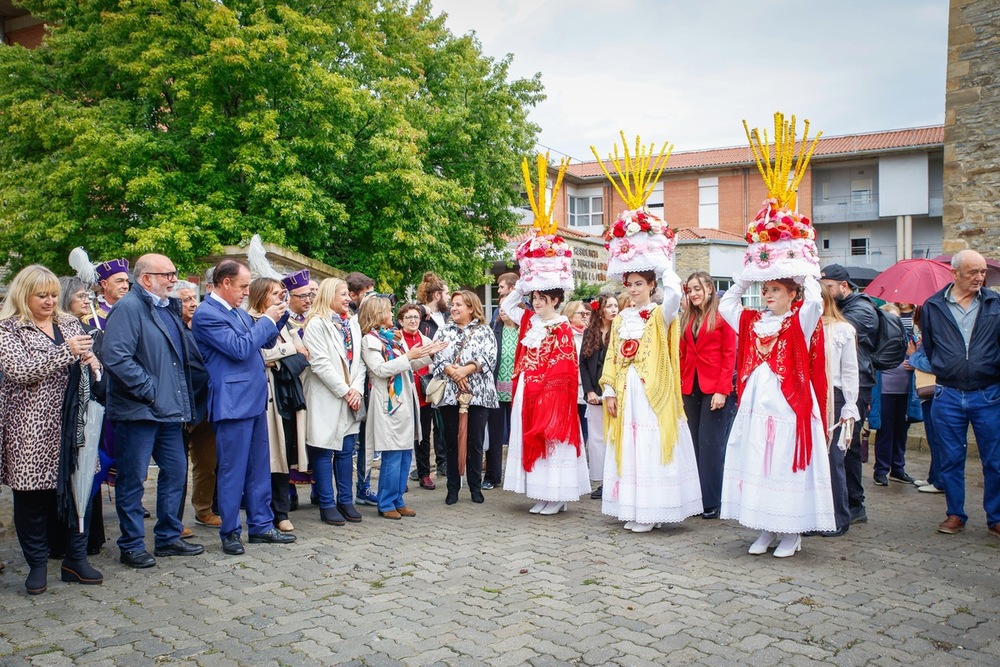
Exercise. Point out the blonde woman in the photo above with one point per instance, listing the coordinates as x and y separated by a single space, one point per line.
333 392
393 423
38 346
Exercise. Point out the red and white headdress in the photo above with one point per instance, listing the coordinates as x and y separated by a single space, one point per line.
545 259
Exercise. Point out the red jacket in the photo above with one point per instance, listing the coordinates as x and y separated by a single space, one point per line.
712 356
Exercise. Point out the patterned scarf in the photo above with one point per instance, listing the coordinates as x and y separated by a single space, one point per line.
345 330
391 349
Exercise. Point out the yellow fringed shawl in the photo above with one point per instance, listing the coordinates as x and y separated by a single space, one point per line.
658 364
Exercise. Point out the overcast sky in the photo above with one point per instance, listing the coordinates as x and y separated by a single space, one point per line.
690 71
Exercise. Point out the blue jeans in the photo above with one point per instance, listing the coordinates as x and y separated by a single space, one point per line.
392 479
364 474
932 442
952 412
137 442
890 440
322 465
343 468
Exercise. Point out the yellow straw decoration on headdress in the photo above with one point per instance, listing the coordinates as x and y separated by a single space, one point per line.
775 174
543 216
638 173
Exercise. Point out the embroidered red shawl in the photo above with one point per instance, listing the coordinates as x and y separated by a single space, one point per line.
551 374
795 366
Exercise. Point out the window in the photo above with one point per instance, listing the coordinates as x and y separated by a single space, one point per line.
708 202
752 298
859 247
861 194
586 211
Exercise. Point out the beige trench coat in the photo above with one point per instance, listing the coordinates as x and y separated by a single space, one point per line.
283 347
399 430
328 416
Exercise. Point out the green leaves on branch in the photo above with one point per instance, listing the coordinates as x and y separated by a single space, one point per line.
363 134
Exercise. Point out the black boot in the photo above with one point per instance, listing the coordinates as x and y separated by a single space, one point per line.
81 572
32 510
331 516
37 581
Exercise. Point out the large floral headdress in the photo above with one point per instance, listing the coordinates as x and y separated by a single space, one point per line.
639 240
782 242
545 259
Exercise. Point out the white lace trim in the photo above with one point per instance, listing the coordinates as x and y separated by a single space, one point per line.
632 323
540 329
769 324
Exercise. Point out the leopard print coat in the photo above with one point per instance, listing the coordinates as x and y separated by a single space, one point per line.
35 373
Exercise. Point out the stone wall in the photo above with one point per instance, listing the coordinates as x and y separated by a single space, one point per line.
691 257
972 128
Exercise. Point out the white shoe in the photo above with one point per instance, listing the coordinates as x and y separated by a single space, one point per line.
553 508
929 488
764 542
629 525
644 527
920 482
790 543
539 506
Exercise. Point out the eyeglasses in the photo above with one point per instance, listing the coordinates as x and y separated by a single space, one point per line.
169 275
308 296
411 317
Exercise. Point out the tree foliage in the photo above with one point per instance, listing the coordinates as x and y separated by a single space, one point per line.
361 133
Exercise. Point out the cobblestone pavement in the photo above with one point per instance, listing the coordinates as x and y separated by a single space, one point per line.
490 584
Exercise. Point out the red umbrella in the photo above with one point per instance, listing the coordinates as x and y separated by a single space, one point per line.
910 281
992 269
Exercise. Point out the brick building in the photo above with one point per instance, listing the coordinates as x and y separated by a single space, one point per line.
17 26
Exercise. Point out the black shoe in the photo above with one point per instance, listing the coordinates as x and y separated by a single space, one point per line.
233 545
477 497
314 500
901 476
710 514
451 498
93 551
145 513
138 559
178 548
811 533
880 480
414 477
486 485
597 493
350 513
37 581
293 503
81 572
330 516
836 533
859 515
272 536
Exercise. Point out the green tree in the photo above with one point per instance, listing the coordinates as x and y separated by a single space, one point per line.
363 134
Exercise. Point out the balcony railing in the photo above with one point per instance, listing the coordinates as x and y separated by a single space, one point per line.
879 257
856 208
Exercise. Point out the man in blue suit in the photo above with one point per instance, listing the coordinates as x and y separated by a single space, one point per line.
230 342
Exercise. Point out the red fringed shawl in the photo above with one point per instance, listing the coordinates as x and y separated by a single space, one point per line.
551 374
795 367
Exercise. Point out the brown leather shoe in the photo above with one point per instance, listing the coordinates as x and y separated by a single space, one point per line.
951 525
994 530
406 511
186 533
211 520
391 514
427 483
285 526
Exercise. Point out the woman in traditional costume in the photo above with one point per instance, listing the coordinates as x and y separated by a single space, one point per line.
545 458
650 470
777 474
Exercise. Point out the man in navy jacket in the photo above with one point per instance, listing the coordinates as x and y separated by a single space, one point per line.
230 343
149 398
961 338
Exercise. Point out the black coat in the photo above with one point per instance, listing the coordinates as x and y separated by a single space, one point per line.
591 368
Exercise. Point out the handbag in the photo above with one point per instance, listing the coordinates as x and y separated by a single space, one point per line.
434 386
925 384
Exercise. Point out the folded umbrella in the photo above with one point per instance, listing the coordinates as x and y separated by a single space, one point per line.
464 399
910 281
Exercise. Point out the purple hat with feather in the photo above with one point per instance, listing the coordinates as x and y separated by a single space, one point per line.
110 268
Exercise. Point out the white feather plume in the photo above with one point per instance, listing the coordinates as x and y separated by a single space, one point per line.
79 261
257 258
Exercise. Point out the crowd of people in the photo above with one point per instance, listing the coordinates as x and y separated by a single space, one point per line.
665 401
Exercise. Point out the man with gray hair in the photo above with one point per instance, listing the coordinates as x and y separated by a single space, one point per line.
198 433
149 399
961 338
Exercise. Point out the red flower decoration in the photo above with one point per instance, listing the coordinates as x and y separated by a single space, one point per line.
595 305
629 348
619 231
774 234
644 314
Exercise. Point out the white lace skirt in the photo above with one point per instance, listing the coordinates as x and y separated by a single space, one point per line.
561 476
596 448
648 491
759 488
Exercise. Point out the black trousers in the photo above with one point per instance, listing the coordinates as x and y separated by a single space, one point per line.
96 536
478 417
422 449
709 431
499 428
281 501
852 460
838 473
34 513
890 440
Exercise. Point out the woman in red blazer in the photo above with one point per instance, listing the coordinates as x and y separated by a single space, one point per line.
708 360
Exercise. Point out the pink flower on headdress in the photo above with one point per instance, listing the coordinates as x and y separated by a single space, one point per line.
785 236
762 257
626 250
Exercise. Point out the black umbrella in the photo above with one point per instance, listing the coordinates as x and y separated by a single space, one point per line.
861 275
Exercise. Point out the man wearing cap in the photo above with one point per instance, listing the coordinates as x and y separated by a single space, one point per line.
860 312
300 296
301 292
113 279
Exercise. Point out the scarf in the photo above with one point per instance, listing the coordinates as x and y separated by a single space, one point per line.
391 349
796 367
